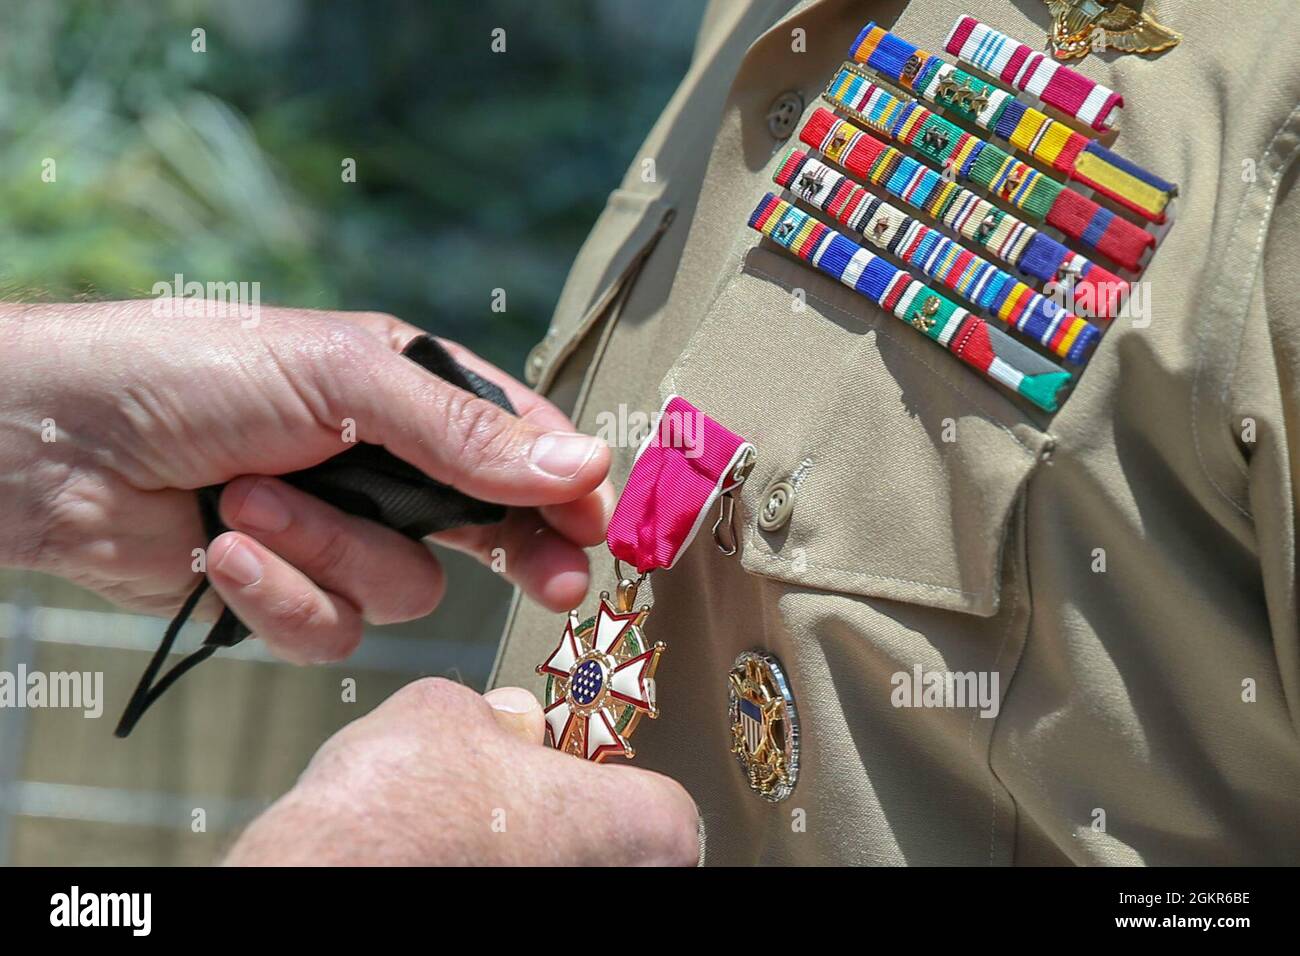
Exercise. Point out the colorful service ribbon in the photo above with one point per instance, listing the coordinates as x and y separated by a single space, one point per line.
1036 73
972 277
969 337
1038 196
1096 290
680 471
1029 130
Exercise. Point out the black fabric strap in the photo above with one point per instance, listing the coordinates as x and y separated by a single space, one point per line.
146 692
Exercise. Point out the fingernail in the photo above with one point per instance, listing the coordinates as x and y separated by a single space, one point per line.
563 454
240 564
262 510
511 700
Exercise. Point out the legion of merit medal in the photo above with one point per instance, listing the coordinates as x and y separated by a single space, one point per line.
600 679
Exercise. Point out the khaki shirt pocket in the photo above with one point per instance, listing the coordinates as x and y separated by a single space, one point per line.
905 465
604 271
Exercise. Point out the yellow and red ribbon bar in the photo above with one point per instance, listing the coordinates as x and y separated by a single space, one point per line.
1029 130
1096 291
972 277
1039 196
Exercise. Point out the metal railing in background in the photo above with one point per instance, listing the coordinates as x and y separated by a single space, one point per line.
26 628
20 652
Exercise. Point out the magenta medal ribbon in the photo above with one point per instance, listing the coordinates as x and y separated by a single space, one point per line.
680 472
600 678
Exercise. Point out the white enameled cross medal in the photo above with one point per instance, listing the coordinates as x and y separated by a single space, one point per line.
600 679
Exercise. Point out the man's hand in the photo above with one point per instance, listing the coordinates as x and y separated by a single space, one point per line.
439 775
143 410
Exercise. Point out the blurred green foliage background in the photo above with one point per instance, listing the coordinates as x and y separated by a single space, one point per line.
474 169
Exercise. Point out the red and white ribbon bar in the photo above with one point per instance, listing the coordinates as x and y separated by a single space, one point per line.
1034 72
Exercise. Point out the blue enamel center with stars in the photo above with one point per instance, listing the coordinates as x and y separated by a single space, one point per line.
587 682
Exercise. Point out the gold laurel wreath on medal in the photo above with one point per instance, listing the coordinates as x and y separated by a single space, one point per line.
1077 25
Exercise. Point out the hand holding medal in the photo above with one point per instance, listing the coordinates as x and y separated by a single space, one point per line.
600 678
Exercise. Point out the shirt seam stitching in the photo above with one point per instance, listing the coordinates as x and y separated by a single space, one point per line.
1266 217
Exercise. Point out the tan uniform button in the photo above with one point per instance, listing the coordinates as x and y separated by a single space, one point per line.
783 115
535 362
778 503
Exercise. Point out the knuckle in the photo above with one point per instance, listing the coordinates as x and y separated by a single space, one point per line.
375 317
336 343
347 340
483 435
670 824
320 354
393 331
433 694
336 554
352 351
334 754
296 613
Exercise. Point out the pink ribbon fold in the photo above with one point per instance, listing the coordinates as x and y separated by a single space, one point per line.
680 471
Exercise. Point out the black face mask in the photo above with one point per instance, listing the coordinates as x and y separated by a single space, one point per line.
365 481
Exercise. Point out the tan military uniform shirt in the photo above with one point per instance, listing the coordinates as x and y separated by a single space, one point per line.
1127 566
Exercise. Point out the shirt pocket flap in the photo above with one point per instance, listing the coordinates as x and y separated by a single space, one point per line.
906 467
608 261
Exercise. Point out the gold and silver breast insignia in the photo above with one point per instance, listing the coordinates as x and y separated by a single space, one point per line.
764 726
1082 25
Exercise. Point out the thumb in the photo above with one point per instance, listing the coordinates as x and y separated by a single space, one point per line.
455 437
517 712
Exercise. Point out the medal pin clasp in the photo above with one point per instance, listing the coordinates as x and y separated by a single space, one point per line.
626 589
726 540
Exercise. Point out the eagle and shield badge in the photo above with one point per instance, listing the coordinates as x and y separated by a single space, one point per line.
764 725
1079 26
